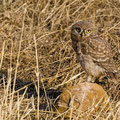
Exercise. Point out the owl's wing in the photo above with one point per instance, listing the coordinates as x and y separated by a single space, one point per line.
100 52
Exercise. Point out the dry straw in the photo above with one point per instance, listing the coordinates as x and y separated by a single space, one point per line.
35 45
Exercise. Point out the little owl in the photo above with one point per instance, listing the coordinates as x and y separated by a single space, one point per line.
93 52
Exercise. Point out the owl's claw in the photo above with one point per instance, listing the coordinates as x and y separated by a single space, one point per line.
90 78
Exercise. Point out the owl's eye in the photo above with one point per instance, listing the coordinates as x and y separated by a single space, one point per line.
78 29
88 31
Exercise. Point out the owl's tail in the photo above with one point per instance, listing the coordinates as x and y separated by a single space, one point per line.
115 77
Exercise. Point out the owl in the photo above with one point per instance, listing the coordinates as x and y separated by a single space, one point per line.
93 52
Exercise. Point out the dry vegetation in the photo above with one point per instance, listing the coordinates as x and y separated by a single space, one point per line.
35 45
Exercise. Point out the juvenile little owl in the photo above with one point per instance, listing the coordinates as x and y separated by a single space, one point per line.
93 52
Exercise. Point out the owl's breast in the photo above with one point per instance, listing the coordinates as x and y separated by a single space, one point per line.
92 68
82 48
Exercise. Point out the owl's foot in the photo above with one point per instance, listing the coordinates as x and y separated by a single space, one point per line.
90 78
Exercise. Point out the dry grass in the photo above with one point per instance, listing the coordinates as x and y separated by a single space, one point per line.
35 45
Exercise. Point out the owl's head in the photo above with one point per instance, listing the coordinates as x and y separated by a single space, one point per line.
82 29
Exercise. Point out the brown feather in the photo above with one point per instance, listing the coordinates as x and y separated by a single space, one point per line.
93 52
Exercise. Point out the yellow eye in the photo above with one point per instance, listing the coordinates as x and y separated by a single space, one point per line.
88 31
78 29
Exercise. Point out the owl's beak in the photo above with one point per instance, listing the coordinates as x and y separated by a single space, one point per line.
82 34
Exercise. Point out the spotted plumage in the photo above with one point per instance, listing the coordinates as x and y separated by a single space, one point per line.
93 52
